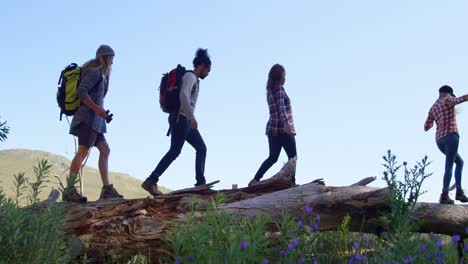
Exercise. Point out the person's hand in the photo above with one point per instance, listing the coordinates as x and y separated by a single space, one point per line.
194 124
101 112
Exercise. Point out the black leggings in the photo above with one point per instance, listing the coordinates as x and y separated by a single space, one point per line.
286 141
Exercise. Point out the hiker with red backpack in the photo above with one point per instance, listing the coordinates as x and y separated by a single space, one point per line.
89 121
178 97
444 114
280 127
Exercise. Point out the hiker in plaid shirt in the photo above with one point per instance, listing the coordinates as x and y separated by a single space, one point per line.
447 138
280 126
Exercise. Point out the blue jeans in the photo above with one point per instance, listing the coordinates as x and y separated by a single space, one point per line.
182 131
275 143
449 146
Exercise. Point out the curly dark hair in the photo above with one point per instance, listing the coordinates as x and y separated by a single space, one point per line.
202 57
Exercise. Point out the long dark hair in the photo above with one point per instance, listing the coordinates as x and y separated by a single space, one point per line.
275 76
202 57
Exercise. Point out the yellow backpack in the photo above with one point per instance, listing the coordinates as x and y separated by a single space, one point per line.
67 96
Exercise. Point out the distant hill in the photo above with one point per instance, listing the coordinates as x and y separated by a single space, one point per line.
13 161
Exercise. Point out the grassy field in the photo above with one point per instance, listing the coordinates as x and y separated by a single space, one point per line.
22 160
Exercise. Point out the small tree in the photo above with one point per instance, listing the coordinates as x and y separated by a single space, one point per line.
4 130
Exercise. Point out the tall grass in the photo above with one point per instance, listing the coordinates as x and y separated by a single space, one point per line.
31 235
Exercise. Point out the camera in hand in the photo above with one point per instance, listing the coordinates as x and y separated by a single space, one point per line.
109 116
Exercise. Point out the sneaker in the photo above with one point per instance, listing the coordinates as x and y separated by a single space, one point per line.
150 186
71 195
445 199
200 181
199 184
253 182
460 196
109 192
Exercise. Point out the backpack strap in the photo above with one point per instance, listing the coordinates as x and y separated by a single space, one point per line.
180 109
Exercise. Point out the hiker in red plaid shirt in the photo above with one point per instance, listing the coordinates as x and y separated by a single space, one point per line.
280 126
447 138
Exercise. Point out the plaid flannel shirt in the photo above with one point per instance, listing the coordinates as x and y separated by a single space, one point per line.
443 113
280 111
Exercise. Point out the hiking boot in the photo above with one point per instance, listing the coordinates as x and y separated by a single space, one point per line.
445 199
199 184
460 196
150 186
71 195
109 192
253 182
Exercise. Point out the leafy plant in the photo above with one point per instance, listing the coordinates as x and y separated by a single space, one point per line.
42 173
32 235
4 130
404 194
20 186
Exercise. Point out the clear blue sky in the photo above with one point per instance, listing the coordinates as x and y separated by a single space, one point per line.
361 76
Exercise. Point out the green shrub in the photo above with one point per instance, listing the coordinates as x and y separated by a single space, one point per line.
29 235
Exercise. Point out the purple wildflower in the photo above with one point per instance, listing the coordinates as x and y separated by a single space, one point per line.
366 239
439 243
465 247
408 260
302 260
177 260
456 238
351 261
265 261
439 257
296 242
423 247
309 209
300 224
190 257
244 245
317 218
290 246
359 257
315 227
315 261
466 230
355 245
282 253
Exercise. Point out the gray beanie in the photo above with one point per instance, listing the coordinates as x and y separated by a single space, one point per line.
104 50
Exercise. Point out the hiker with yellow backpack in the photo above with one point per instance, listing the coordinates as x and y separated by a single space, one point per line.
82 95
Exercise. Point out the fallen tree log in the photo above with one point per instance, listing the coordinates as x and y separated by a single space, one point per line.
331 203
364 204
128 227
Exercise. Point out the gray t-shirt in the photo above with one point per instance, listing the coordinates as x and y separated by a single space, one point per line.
92 86
189 95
